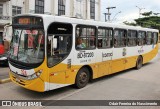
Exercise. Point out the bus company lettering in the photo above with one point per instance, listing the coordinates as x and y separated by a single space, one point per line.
107 55
85 55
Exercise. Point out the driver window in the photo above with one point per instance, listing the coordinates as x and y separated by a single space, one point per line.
59 43
58 47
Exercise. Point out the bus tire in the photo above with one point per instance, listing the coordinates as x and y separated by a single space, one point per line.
82 78
139 63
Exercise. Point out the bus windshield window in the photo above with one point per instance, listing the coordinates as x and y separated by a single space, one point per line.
27 46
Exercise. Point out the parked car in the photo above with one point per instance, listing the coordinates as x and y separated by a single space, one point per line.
3 54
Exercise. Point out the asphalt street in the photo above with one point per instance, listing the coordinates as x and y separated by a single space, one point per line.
4 72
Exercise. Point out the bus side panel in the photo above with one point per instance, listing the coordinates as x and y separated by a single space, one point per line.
118 60
131 57
60 76
103 60
150 55
131 62
103 69
57 74
64 73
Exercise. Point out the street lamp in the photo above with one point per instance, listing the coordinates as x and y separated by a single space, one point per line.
140 9
109 14
116 15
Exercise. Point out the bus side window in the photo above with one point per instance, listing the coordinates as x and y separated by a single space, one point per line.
116 38
105 39
85 37
115 42
144 38
149 38
124 38
99 43
155 38
132 38
120 38
80 43
141 38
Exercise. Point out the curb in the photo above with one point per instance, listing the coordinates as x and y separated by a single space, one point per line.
5 80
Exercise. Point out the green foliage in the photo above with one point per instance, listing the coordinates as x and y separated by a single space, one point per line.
147 14
148 22
131 24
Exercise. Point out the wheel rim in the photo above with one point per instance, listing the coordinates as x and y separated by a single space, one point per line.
83 78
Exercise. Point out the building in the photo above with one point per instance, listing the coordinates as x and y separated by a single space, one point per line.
83 9
4 15
9 8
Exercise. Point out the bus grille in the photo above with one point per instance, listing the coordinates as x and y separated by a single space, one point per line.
19 81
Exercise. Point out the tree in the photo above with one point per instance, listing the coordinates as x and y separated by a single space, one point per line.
147 14
148 22
131 24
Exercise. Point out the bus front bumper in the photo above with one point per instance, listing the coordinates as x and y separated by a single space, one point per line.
35 85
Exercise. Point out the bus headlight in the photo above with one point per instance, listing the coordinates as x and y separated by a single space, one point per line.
35 75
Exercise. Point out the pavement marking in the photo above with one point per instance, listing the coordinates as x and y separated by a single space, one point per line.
68 95
5 80
75 92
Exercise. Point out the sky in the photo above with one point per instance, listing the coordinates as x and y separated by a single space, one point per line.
128 9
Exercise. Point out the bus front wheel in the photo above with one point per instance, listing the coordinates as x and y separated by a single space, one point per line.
82 78
139 63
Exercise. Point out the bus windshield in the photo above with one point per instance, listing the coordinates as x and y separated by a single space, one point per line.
27 46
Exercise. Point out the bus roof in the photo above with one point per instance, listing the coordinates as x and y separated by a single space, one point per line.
51 18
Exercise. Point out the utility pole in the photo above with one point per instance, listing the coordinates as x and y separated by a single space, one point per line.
140 9
105 14
109 14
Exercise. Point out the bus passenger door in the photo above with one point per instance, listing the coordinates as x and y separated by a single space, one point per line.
59 44
56 70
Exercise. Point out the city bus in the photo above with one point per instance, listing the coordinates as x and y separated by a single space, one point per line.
49 52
